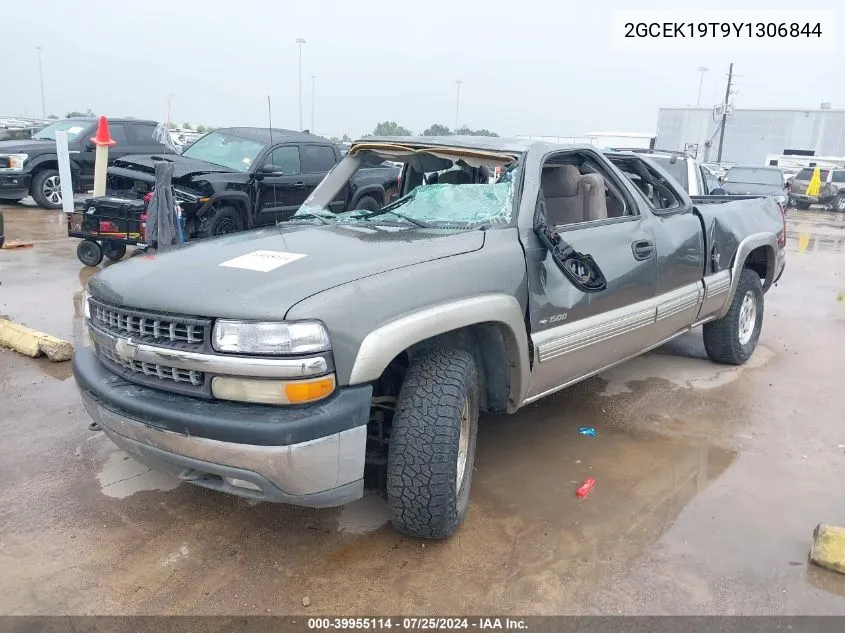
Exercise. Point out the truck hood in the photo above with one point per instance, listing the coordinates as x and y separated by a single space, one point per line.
201 278
752 189
182 165
27 146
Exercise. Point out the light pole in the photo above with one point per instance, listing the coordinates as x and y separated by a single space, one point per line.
169 99
313 97
702 70
300 41
41 76
457 104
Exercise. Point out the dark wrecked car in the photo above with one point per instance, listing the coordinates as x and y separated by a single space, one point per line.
300 363
241 178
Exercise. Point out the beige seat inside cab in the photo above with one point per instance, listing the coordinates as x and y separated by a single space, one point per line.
571 197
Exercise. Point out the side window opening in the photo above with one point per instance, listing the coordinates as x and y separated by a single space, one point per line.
285 159
654 187
576 190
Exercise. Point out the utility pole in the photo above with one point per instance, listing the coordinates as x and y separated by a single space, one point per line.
41 76
300 41
313 97
725 113
457 105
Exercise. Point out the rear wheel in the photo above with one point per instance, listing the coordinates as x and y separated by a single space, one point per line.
89 252
839 202
114 250
803 205
432 445
223 220
46 189
367 203
733 338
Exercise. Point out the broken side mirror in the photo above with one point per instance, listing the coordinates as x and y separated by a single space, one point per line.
580 269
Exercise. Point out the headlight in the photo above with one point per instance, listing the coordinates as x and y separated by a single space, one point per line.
258 337
86 308
13 162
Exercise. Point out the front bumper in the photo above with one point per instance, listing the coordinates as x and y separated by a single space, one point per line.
14 185
309 455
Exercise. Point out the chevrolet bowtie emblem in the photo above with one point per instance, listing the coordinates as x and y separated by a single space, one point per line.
125 349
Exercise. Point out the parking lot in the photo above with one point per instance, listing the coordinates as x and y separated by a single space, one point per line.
710 480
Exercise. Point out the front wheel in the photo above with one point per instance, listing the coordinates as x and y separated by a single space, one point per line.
803 206
839 202
432 445
733 338
46 189
223 220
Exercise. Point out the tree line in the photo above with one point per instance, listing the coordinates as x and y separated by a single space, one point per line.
392 128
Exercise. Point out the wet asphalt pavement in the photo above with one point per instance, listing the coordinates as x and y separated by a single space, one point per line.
710 480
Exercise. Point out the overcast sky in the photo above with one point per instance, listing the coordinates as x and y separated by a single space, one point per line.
527 67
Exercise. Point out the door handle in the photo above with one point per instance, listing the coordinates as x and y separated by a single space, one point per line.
299 185
643 249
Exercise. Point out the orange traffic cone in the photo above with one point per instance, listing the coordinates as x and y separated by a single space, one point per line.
103 138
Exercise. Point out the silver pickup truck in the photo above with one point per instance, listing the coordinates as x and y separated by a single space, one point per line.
299 362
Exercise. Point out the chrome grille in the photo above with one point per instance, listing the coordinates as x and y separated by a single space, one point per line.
140 323
163 372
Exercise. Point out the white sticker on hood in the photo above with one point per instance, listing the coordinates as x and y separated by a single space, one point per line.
263 261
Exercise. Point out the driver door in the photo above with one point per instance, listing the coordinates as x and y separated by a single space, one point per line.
577 333
281 188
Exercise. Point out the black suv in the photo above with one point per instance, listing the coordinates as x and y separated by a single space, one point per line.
239 178
30 167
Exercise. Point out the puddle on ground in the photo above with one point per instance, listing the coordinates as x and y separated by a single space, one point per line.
121 476
364 515
681 371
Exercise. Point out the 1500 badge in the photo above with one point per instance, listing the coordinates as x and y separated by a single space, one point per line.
553 319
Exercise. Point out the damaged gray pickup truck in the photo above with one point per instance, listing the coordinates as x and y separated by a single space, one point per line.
299 363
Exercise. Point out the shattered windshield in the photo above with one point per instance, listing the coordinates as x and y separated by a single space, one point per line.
437 187
435 206
226 150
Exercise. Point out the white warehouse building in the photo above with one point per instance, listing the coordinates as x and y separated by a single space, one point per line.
752 134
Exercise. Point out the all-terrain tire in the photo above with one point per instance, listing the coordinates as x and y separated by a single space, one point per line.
839 202
367 203
89 252
722 338
225 219
44 186
438 397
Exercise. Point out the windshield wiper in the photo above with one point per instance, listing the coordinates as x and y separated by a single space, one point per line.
304 216
402 216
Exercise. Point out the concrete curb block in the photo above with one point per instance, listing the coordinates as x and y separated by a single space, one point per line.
32 342
829 547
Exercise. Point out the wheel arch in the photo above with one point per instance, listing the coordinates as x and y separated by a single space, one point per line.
490 327
759 253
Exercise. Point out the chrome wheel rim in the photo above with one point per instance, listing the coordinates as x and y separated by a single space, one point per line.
52 189
747 317
840 203
463 446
